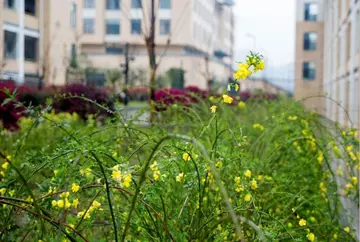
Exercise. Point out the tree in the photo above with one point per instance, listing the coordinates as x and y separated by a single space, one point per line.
112 77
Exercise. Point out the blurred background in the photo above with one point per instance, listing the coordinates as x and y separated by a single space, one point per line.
311 47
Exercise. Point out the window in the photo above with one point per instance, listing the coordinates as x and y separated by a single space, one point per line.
10 40
73 55
89 25
89 3
309 72
165 4
112 26
31 48
112 4
136 26
73 15
30 7
164 26
114 50
136 4
10 4
311 11
310 41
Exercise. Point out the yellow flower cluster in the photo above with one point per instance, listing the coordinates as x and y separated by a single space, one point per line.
320 158
87 214
154 167
5 166
259 127
123 179
180 177
227 99
86 172
243 71
64 201
242 104
292 118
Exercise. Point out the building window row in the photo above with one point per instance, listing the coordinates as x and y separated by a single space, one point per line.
29 6
116 4
112 26
11 42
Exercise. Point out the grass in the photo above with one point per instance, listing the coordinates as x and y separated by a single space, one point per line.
256 173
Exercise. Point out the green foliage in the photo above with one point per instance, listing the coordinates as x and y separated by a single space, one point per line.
191 177
113 76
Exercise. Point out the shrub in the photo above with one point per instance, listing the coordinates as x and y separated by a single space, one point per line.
70 99
138 93
9 112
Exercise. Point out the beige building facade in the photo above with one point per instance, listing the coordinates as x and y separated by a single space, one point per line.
328 37
36 39
40 37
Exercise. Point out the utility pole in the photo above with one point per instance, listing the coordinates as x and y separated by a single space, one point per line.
126 73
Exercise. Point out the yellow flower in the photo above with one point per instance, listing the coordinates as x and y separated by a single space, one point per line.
247 173
227 99
322 187
237 180
354 180
5 165
65 194
311 237
2 191
335 236
253 184
347 230
127 180
259 177
75 203
156 175
75 188
180 177
115 154
247 197
259 126
96 204
67 204
292 118
349 148
237 87
186 156
56 172
116 174
86 172
60 203
219 164
302 222
8 157
349 186
54 203
242 104
213 109
260 66
240 188
243 71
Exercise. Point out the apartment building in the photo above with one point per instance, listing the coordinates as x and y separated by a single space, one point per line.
342 61
309 53
200 34
40 37
328 58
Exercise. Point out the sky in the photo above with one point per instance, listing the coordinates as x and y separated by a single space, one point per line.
272 23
